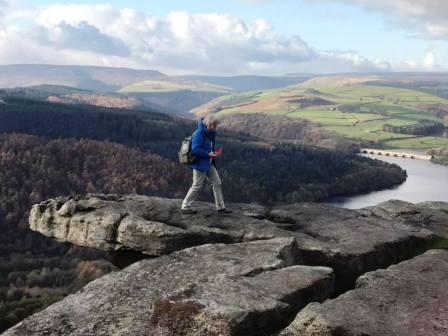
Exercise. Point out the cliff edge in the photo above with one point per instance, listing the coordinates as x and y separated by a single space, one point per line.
250 272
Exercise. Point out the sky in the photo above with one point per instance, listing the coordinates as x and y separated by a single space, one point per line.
231 37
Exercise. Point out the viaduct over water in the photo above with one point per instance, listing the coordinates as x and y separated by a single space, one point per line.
403 155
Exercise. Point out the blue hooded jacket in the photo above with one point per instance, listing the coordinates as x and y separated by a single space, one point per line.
203 143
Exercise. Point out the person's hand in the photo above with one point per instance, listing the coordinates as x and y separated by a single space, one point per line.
219 151
213 155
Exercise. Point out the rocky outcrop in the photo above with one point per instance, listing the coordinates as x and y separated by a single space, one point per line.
349 241
237 289
150 225
429 215
408 299
249 272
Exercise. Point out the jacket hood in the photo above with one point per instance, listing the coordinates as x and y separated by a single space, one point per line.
203 128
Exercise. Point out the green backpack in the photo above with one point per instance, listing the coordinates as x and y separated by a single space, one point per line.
185 155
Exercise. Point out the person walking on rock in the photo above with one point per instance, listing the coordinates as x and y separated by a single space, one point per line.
203 147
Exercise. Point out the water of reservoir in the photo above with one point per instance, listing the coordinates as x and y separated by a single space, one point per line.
426 182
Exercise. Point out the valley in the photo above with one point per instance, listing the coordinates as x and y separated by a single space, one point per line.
77 139
64 148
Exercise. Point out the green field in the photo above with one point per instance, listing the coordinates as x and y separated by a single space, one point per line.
354 111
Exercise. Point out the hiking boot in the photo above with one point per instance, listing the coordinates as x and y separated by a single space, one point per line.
188 211
227 211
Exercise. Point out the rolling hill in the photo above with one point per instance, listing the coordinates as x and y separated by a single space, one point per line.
251 83
98 78
175 102
84 77
352 108
70 95
109 87
176 95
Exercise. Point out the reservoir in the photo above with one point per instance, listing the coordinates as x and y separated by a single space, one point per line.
426 182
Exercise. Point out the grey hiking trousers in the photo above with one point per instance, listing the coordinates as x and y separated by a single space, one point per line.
198 180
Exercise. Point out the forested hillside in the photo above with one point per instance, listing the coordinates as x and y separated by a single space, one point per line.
82 121
162 134
286 129
36 271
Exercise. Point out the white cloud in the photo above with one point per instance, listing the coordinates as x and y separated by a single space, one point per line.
429 60
427 18
4 4
427 63
79 36
350 59
178 43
